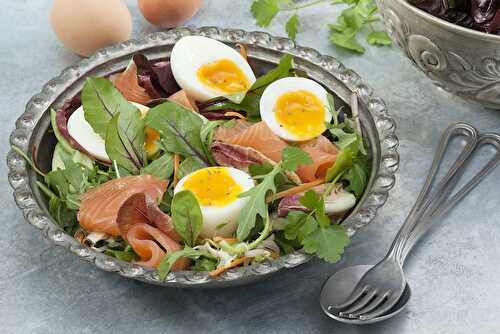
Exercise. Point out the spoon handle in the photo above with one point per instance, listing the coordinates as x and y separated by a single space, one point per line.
447 202
427 198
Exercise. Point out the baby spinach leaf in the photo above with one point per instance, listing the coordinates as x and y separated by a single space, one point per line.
122 148
180 130
187 217
279 72
101 101
162 167
189 165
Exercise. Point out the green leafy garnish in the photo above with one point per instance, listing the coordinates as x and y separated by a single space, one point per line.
257 203
179 129
293 157
169 260
161 167
359 17
264 11
250 104
292 26
189 165
351 164
186 215
101 101
314 230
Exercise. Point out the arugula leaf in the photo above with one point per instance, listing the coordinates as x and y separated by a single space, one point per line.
292 26
357 177
327 243
342 163
162 167
187 217
101 101
179 129
256 205
293 157
264 11
344 139
170 259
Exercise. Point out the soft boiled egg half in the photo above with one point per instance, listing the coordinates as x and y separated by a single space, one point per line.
217 190
295 109
81 131
205 68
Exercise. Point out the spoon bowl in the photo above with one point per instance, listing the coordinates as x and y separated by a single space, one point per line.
340 286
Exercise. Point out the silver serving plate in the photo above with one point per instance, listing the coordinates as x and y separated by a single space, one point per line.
264 50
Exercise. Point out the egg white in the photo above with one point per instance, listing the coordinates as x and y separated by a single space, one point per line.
275 90
213 216
190 53
84 134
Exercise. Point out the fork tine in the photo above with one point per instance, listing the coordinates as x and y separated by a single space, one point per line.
384 308
371 306
359 304
354 296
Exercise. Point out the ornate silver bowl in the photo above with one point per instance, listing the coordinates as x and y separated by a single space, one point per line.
462 61
31 135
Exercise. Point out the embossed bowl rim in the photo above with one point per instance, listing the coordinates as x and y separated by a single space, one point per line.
448 25
378 125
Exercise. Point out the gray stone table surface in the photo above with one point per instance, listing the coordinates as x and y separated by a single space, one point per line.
454 272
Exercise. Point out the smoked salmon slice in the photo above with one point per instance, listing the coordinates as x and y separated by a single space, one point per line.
323 154
99 206
148 230
259 137
183 99
126 82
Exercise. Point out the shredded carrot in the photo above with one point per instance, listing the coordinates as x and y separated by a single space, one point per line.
234 114
177 162
295 190
228 240
233 264
243 51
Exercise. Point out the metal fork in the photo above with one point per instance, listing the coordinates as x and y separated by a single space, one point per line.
381 287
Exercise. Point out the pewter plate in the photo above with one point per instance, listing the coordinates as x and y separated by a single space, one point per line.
31 135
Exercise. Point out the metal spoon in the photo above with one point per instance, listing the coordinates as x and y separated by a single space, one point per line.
366 294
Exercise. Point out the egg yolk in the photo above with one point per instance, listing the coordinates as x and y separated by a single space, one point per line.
301 113
151 141
213 186
224 76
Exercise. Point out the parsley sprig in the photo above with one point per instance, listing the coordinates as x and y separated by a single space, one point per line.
360 17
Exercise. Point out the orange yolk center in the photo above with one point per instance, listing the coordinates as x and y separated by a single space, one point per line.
301 113
213 186
224 76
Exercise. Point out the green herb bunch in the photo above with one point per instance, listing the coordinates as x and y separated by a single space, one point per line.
359 18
